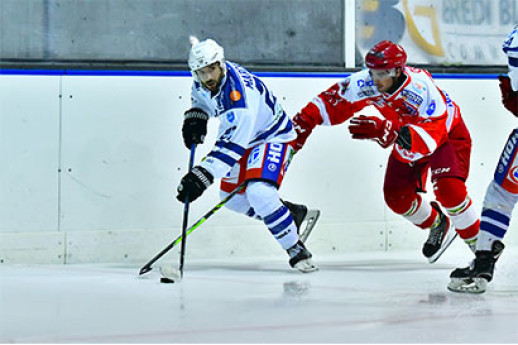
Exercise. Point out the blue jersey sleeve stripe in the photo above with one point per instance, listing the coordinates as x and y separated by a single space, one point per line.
223 157
233 83
273 129
231 147
510 49
286 129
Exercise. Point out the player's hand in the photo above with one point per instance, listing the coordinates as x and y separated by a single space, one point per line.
193 184
374 128
194 127
509 97
303 129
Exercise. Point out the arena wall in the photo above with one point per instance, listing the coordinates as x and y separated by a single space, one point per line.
90 165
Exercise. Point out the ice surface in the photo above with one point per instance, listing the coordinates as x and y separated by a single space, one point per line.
381 297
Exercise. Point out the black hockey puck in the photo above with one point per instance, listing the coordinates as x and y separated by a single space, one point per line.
166 280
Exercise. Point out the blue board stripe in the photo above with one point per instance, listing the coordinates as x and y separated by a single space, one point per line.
6 71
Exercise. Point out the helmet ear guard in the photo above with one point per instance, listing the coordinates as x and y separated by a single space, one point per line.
203 54
385 55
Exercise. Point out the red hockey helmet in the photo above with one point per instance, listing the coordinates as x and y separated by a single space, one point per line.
385 55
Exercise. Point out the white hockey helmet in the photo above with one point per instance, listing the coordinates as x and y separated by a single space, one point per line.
203 54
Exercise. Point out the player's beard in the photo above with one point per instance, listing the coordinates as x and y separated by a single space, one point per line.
212 85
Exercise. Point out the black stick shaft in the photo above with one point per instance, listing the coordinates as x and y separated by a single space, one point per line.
185 217
147 267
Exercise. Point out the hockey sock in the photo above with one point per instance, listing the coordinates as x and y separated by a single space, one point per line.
496 215
493 226
264 199
452 194
421 213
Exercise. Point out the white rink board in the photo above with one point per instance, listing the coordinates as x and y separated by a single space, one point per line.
104 153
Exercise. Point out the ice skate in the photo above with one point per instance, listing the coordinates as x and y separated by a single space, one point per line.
300 258
474 278
441 236
301 214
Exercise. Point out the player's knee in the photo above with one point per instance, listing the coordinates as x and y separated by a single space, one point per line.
399 200
238 203
262 196
450 191
498 198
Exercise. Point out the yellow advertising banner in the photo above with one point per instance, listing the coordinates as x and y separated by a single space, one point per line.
439 32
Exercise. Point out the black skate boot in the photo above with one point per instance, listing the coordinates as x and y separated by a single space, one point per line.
474 278
300 214
300 258
440 237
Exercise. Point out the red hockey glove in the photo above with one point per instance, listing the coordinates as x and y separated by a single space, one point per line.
304 122
374 128
509 97
303 129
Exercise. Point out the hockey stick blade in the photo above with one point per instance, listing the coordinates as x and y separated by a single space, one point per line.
311 220
148 266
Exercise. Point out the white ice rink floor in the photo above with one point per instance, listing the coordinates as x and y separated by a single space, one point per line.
380 297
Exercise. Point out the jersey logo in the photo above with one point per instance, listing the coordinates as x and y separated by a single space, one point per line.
364 83
431 108
513 175
235 95
231 117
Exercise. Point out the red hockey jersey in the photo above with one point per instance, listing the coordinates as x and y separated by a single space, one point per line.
418 103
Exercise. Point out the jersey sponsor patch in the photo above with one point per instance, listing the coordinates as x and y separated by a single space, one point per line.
255 157
364 83
431 108
412 97
506 174
235 95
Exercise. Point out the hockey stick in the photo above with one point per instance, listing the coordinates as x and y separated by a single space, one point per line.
147 267
185 217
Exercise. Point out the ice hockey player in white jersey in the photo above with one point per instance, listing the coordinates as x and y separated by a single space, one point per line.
501 194
252 145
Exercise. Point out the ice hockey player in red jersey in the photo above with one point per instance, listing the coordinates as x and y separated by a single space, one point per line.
427 134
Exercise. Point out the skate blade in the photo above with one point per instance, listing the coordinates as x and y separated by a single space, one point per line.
474 285
310 220
450 236
306 266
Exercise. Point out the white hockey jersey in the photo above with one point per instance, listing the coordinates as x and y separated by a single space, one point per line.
249 116
510 47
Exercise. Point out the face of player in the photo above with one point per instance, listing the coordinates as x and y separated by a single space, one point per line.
211 76
384 78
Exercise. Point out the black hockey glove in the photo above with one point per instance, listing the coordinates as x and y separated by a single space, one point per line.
193 184
404 139
194 127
